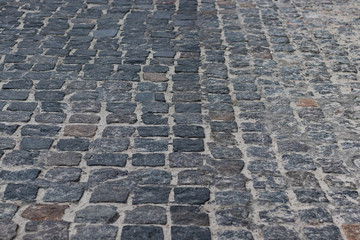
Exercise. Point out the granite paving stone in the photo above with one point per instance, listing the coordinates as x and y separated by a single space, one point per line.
179 119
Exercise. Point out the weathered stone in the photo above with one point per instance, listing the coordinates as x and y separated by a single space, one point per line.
328 232
19 157
44 212
191 195
97 214
237 216
64 193
279 214
279 232
185 215
185 160
22 192
151 176
73 144
307 103
95 232
190 232
110 193
104 174
240 234
150 160
61 159
106 159
61 174
146 215
7 229
315 216
151 195
352 231
80 130
142 232
7 211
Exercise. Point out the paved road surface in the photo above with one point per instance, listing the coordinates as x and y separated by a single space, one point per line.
180 119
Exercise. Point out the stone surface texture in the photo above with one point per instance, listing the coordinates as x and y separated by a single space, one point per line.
180 119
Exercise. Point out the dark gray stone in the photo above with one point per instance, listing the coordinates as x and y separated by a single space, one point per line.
35 143
310 195
188 145
47 230
233 235
113 131
184 160
96 232
279 232
295 162
315 216
150 160
7 143
7 211
146 215
142 233
151 145
273 196
104 174
278 214
237 216
22 175
189 131
39 130
64 193
106 159
188 215
190 232
22 192
153 131
328 232
151 195
151 176
61 174
191 195
97 214
73 144
233 197
8 229
109 193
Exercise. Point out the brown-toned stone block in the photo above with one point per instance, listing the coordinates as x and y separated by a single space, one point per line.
155 77
80 130
41 212
352 231
307 103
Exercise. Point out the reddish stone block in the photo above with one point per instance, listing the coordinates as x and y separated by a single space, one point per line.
307 103
352 231
41 212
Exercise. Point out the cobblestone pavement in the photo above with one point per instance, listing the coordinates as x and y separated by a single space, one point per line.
180 119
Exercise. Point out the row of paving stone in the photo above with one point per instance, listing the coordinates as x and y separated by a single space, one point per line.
183 119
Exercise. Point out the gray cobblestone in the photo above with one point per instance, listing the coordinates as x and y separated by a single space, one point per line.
179 119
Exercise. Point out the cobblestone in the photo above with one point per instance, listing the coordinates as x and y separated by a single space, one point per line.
179 119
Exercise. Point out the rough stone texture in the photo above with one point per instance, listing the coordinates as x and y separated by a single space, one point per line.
41 212
352 231
97 214
95 232
80 130
146 215
8 229
142 232
47 230
182 119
